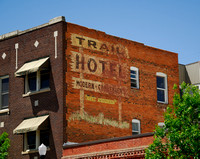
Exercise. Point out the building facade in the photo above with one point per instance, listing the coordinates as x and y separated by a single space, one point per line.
190 73
115 87
132 147
32 91
62 83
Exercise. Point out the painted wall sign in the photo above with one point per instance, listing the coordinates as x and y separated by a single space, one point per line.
94 44
99 66
99 119
100 100
102 67
85 84
100 87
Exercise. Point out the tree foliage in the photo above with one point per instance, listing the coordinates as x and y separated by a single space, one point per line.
180 136
4 145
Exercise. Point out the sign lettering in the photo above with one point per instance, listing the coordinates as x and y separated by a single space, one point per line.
100 100
99 66
100 87
94 44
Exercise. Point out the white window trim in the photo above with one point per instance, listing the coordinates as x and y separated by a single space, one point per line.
38 90
1 78
160 74
137 76
26 150
138 122
26 141
32 151
4 111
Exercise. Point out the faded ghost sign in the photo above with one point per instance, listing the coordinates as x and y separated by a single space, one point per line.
99 66
94 44
99 87
115 69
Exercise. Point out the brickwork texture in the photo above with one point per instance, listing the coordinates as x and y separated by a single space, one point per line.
100 101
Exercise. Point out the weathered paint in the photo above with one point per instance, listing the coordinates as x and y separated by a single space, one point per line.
85 84
107 101
94 44
100 119
100 100
100 87
90 98
103 67
99 66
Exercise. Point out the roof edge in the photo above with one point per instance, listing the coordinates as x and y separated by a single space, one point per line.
18 32
107 140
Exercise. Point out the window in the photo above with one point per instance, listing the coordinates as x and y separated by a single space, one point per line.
33 139
35 131
36 75
4 88
135 127
37 81
44 137
162 94
134 72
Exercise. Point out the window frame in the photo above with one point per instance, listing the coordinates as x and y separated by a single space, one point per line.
37 142
139 128
38 82
132 68
160 74
1 93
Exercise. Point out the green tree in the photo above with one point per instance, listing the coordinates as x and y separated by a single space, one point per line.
180 136
4 145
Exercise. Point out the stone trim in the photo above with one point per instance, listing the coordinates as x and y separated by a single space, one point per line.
119 153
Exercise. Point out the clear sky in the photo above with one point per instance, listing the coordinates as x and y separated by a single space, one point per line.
172 25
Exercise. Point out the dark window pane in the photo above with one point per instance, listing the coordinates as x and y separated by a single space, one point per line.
133 76
5 85
44 75
133 72
161 82
32 81
135 133
135 126
44 137
31 137
133 83
161 95
4 99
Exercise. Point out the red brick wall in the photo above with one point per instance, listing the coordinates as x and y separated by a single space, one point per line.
114 146
85 114
49 102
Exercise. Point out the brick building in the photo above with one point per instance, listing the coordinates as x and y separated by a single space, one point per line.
132 147
62 83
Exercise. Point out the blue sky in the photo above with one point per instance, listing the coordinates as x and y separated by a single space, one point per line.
172 25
